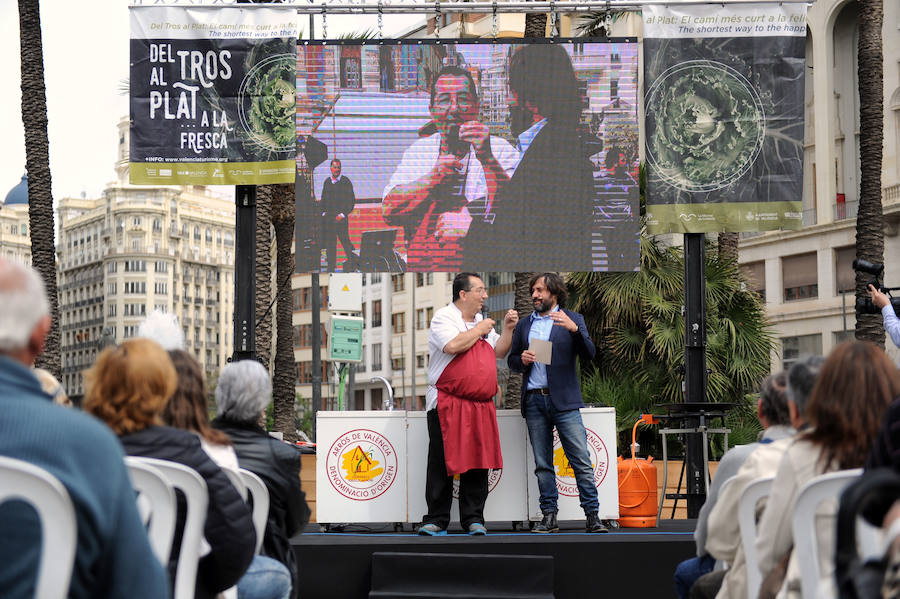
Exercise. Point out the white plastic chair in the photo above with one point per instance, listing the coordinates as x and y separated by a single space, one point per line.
236 481
755 491
806 547
260 495
59 530
189 482
157 495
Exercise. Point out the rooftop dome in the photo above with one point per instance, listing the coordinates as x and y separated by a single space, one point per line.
19 193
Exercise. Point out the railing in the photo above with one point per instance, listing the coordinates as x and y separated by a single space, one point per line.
845 210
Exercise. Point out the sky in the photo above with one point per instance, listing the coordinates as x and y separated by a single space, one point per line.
85 65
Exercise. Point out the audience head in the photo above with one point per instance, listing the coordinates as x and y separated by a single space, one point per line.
773 405
848 402
801 379
129 385
25 316
243 392
162 328
187 407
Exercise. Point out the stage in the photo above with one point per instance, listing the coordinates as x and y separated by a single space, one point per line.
626 562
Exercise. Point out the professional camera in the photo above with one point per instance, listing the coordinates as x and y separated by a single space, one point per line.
864 305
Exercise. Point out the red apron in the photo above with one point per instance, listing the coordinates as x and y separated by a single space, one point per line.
465 407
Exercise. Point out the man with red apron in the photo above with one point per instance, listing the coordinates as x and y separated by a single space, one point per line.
463 437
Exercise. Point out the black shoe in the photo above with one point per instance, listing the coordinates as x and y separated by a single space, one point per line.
548 524
594 524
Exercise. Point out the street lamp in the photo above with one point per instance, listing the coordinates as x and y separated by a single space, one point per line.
387 403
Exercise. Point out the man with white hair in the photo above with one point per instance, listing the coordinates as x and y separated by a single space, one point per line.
113 557
242 394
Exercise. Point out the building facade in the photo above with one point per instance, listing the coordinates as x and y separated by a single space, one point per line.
806 276
15 237
137 249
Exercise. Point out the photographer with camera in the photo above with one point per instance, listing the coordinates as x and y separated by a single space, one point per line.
883 303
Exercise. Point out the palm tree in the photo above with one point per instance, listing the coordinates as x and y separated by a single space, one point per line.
37 162
263 299
284 377
635 319
869 221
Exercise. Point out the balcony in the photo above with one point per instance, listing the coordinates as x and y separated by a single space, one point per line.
845 210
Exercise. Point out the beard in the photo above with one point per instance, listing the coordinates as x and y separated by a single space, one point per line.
519 120
542 306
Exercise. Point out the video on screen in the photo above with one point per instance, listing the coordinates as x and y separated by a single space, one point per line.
493 156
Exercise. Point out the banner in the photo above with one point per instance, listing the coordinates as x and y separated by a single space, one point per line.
724 116
498 156
212 95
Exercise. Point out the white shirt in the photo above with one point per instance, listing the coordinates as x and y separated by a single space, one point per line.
422 155
447 323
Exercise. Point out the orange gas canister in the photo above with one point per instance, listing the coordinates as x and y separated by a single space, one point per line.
637 486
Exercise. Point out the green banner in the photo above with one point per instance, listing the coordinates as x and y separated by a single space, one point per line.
212 173
724 116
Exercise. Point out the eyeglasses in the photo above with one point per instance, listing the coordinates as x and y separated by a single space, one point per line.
464 101
476 290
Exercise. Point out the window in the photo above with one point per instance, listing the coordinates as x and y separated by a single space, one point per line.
111 310
376 313
844 276
800 277
135 266
130 331
755 272
398 281
376 277
794 348
351 67
161 288
196 233
135 287
398 364
208 235
135 310
398 322
161 266
229 238
376 356
112 266
421 360
111 288
157 226
423 318
136 221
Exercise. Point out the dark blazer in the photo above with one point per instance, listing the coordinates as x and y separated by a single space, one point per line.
229 527
562 377
543 214
278 465
338 197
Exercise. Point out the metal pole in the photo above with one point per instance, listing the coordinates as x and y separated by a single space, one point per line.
544 6
245 273
695 364
412 343
316 349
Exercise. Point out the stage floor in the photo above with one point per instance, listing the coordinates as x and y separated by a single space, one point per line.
632 562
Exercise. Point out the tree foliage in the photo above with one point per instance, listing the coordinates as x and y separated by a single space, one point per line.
636 322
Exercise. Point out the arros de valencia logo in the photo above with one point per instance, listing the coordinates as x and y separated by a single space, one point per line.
565 474
361 464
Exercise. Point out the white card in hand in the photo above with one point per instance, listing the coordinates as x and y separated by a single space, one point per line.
543 350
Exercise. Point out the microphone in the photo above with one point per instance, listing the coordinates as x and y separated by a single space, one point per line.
456 146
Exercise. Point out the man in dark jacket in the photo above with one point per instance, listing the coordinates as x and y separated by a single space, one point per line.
242 394
542 218
551 396
338 200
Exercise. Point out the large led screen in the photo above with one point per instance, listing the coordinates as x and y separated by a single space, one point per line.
494 156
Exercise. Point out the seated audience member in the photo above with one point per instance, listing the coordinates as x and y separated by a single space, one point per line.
845 410
773 414
52 387
723 539
243 392
128 388
266 578
113 557
886 450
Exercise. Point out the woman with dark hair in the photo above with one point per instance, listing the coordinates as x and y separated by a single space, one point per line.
128 388
266 578
845 410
